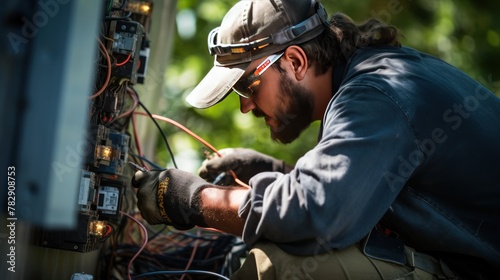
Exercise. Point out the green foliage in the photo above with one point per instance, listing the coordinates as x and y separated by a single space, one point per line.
464 33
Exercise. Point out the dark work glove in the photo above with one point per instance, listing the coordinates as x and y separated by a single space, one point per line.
244 162
169 196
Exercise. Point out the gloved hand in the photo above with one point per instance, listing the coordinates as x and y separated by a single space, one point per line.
169 196
244 162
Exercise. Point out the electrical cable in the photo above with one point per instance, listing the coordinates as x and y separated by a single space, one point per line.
135 99
185 129
134 130
125 61
166 254
179 272
171 251
143 246
108 74
156 166
201 140
161 132
195 248
110 6
206 237
136 136
157 233
107 38
122 6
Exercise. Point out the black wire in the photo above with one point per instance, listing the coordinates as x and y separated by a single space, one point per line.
157 233
161 131
156 166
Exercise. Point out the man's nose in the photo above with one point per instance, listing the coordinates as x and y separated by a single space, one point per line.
246 105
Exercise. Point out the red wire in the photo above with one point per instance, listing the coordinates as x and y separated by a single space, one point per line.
143 245
201 140
108 75
195 248
136 103
165 119
125 61
108 230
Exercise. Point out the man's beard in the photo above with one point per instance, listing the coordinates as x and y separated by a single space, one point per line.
294 113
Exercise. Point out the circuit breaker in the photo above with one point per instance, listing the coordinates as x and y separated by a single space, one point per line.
105 177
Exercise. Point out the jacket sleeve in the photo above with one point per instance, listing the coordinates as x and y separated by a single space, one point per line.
341 188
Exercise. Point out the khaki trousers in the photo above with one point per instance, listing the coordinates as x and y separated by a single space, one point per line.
267 261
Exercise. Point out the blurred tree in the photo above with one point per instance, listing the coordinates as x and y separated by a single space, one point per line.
464 33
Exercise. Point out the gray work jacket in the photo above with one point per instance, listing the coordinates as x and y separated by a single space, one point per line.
407 139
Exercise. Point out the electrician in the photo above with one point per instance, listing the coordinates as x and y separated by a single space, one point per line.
403 182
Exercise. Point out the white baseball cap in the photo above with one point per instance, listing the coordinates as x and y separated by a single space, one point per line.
250 30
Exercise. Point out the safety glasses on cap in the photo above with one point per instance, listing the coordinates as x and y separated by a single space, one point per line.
227 49
318 21
244 87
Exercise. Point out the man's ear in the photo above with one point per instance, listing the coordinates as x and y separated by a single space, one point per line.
296 61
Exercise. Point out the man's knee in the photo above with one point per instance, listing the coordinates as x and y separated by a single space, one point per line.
258 264
267 261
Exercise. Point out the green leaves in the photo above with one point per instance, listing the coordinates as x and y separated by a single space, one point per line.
461 32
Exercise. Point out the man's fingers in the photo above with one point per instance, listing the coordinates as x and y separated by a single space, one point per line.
227 151
210 169
216 164
137 179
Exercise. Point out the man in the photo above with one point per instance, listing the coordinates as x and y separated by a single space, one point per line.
403 182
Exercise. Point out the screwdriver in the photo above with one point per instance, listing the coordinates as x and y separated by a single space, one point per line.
138 167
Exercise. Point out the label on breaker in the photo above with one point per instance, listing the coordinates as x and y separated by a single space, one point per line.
83 195
108 199
84 191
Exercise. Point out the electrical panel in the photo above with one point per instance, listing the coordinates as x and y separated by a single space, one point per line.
105 195
121 62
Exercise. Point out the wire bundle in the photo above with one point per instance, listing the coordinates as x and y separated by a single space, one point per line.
171 252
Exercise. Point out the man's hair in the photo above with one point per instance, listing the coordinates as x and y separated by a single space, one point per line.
337 43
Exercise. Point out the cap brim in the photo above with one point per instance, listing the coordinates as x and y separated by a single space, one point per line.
216 85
